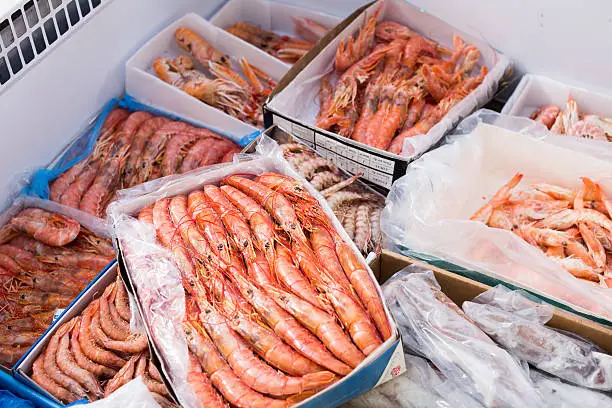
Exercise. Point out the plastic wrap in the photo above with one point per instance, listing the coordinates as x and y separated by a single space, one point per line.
433 326
558 394
518 326
306 84
134 394
152 269
428 210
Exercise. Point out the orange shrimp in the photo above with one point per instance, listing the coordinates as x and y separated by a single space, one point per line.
393 118
106 323
82 360
49 228
354 49
103 185
255 373
78 260
324 247
370 104
220 373
323 325
259 220
209 223
202 51
122 377
233 220
414 111
68 365
88 345
59 186
22 257
203 388
146 215
122 301
546 114
484 213
415 47
435 86
74 193
40 377
596 249
134 161
390 30
178 144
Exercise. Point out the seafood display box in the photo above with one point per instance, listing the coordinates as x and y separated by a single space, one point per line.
382 365
23 368
535 91
269 15
460 289
143 84
379 167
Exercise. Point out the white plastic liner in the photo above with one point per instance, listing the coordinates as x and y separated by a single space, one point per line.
307 83
428 209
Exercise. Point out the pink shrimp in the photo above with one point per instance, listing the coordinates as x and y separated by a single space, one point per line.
49 228
177 145
122 301
82 360
40 376
59 186
203 147
203 388
24 258
106 323
78 260
356 48
546 114
149 161
208 221
88 345
122 377
74 193
324 247
501 195
202 51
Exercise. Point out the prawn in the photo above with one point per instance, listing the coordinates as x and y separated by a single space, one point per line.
23 258
202 51
546 115
176 145
143 134
122 377
78 260
88 345
106 323
202 387
53 229
82 360
354 49
40 376
484 213
59 186
208 221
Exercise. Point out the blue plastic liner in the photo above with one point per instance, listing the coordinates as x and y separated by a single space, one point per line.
80 149
22 391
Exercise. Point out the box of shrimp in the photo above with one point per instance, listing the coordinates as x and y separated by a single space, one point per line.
130 143
563 109
96 346
251 289
283 31
356 205
383 87
48 254
205 74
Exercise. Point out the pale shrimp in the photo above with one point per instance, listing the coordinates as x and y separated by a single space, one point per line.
82 360
146 215
324 179
349 221
203 389
502 219
577 268
320 323
570 115
49 228
88 345
324 248
122 377
497 199
363 232
40 376
106 322
235 391
220 93
309 29
354 49
202 51
78 260
577 250
471 55
556 192
233 220
68 365
340 185
596 249
133 163
588 130
602 235
543 236
564 219
259 220
209 223
255 373
24 258
390 30
51 366
546 114
66 179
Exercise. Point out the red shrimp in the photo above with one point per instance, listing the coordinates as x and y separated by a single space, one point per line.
176 147
356 48
149 161
74 193
24 258
208 221
324 248
49 228
143 134
82 360
66 179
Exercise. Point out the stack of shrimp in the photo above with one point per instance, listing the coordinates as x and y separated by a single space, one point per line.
95 353
132 148
572 122
393 84
357 208
223 87
278 304
572 227
283 47
46 259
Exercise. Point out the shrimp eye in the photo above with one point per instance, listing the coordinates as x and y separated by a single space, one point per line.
250 291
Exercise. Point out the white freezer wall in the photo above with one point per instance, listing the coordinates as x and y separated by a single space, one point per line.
53 101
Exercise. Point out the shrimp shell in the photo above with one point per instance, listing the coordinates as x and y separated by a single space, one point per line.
88 344
324 179
363 231
49 228
65 180
83 361
122 377
41 378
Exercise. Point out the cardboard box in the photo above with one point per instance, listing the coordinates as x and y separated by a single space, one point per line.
460 289
380 366
145 86
269 15
535 91
297 115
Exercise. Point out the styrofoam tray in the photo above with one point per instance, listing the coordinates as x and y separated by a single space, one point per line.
535 91
144 85
269 15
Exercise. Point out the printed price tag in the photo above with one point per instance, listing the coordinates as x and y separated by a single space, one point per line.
282 123
303 132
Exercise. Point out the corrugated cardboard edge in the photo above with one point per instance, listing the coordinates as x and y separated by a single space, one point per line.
461 289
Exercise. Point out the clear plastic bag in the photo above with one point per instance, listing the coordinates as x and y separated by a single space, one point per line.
433 326
134 394
428 210
518 327
558 394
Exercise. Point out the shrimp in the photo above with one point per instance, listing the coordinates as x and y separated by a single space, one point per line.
227 157
106 322
596 249
82 360
209 223
122 377
22 257
415 47
59 186
154 372
49 228
324 179
143 134
68 365
324 248
390 30
105 182
153 148
484 213
202 51
221 375
73 194
49 283
116 318
368 110
88 345
204 152
323 325
390 116
309 29
51 366
77 259
565 219
122 301
40 377
434 84
577 268
175 146
546 114
204 390
543 236
355 49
